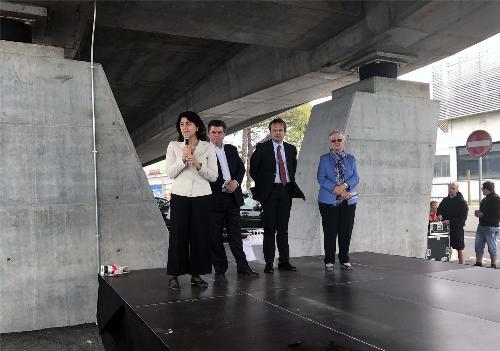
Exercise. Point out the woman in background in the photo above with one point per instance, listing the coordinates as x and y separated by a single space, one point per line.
338 177
192 164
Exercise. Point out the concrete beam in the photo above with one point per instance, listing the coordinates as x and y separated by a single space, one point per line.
36 16
284 24
261 70
258 81
22 11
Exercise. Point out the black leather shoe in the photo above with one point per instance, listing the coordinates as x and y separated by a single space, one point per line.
173 284
346 266
269 268
198 282
248 274
286 266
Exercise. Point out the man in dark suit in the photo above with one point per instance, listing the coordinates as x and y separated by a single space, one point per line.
227 200
272 167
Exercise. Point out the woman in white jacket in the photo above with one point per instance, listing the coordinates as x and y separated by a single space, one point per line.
192 164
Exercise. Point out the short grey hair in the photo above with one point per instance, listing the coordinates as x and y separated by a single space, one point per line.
337 132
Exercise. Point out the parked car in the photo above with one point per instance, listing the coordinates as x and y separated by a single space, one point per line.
164 206
250 213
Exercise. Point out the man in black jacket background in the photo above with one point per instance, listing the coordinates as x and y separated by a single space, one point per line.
453 211
227 201
487 230
272 167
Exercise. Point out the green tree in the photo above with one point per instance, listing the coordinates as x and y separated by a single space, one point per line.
296 120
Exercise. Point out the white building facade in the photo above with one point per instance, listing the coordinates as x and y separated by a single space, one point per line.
453 161
468 86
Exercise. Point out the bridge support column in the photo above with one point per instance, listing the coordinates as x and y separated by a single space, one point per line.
48 266
391 129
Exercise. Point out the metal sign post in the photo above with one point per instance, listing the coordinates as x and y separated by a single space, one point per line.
480 165
479 144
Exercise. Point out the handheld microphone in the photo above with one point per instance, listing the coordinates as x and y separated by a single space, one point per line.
186 142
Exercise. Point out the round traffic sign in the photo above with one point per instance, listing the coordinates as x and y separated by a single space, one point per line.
479 143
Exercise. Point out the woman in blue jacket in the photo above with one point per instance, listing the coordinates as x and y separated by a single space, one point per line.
338 177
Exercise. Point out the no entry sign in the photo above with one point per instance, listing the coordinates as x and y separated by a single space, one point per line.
479 143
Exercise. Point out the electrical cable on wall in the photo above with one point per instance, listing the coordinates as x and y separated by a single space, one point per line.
94 151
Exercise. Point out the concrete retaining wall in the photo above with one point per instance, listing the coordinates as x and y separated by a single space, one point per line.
48 269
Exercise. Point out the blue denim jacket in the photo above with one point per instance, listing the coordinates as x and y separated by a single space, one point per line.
327 174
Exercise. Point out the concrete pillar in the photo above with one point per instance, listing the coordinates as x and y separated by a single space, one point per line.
48 269
391 128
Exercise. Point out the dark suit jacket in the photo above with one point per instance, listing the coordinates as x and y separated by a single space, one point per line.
263 170
236 169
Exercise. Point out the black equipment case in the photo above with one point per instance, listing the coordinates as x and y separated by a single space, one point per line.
438 242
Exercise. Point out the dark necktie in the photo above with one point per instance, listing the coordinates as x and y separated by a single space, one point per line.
281 166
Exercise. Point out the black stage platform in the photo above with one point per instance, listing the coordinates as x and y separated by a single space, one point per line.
386 303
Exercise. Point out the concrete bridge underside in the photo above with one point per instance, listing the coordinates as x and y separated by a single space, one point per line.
242 61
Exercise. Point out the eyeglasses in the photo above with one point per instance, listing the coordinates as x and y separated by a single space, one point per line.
336 140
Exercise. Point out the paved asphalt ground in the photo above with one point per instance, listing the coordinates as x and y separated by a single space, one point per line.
470 254
86 337
83 337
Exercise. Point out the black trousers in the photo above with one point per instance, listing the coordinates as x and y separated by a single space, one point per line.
276 213
189 243
227 211
337 222
457 238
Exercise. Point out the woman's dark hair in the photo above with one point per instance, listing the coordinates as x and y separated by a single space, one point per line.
192 117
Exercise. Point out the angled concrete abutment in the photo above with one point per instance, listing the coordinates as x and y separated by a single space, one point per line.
391 129
48 266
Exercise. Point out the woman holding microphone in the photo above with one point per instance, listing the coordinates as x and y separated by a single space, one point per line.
191 163
337 177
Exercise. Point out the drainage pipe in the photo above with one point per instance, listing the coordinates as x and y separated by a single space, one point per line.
94 151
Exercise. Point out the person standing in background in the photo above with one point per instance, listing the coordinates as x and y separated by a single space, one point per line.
433 212
272 167
227 201
487 229
453 211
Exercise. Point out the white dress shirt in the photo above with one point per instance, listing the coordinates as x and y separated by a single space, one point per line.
277 177
221 155
187 181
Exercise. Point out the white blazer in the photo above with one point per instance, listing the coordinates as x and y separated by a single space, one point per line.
187 181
